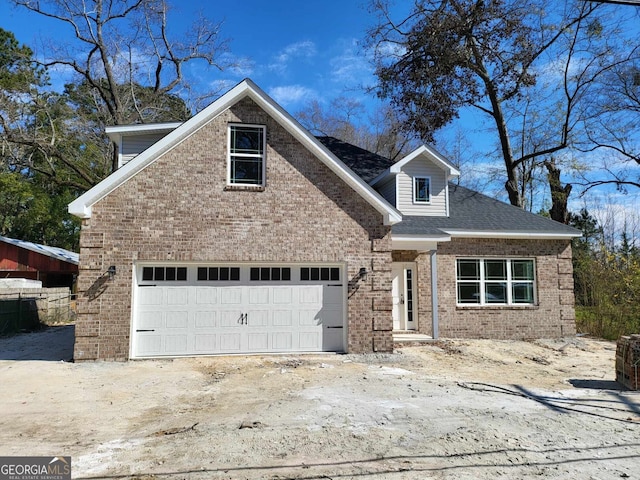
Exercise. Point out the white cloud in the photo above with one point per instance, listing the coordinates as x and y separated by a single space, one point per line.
295 51
291 94
352 67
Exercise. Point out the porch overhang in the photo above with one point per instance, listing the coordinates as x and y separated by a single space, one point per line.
420 243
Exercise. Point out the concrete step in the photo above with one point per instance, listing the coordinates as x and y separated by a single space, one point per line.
409 337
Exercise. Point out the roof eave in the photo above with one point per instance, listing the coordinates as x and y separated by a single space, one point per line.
516 234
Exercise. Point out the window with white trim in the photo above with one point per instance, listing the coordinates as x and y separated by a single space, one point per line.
246 163
421 190
495 281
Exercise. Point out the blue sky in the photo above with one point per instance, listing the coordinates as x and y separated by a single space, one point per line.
295 50
298 51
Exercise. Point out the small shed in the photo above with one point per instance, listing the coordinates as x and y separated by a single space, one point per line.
53 266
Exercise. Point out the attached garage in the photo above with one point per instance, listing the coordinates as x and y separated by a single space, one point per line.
232 309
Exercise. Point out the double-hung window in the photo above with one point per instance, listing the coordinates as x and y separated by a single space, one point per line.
421 190
246 154
495 281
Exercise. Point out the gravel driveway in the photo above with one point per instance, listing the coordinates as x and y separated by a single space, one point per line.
450 410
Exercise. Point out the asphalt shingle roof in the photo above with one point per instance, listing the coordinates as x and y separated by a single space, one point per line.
468 210
365 164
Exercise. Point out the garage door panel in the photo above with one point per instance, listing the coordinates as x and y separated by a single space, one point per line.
206 343
149 344
311 294
231 296
332 296
282 341
308 318
230 342
204 319
150 320
177 319
150 296
206 295
258 342
177 296
282 295
310 341
282 318
231 318
259 296
332 339
209 315
176 344
257 318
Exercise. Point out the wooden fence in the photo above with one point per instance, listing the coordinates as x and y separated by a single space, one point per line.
26 309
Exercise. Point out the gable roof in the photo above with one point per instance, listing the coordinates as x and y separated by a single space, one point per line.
53 252
423 151
81 207
474 215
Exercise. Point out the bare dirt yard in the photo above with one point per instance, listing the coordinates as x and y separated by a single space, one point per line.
449 410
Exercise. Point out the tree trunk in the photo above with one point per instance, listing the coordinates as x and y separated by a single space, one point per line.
559 194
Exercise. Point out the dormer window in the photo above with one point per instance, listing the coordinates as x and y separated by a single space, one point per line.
421 190
246 163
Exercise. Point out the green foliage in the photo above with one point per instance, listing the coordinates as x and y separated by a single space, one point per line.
607 281
30 212
18 72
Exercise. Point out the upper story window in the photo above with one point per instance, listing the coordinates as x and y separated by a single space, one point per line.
246 154
492 281
421 190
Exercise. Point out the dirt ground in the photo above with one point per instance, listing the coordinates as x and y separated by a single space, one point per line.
450 410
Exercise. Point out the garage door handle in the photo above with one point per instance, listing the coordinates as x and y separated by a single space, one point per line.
334 285
145 330
147 285
334 327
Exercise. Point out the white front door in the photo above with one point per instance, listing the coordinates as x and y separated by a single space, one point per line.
404 295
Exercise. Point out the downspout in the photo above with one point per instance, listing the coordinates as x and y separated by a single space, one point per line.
434 293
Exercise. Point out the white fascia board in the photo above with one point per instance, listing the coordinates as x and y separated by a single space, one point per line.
433 155
421 243
141 128
81 207
516 235
390 214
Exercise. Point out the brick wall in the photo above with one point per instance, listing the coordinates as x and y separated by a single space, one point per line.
553 316
178 209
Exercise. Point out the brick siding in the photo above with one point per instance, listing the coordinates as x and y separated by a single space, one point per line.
178 210
552 317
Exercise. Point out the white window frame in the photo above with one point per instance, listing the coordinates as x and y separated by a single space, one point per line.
262 156
509 281
414 189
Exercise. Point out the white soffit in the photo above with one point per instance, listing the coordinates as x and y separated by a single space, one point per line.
81 207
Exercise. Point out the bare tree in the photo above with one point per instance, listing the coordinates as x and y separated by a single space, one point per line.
346 119
122 45
528 67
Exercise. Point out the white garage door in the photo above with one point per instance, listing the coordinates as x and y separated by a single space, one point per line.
209 309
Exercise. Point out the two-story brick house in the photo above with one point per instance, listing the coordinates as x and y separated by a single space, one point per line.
238 231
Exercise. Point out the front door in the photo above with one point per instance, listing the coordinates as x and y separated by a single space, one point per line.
404 298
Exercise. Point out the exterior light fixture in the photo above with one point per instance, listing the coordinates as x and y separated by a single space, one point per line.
111 271
362 274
